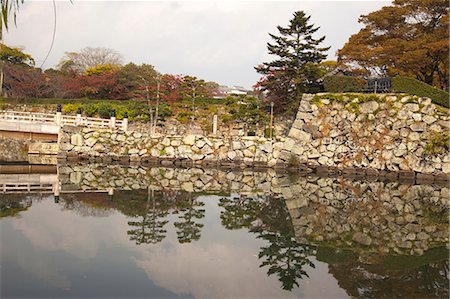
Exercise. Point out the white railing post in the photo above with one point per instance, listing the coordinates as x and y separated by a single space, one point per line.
78 119
58 115
112 122
56 191
125 122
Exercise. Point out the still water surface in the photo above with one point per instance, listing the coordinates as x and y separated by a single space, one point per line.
168 243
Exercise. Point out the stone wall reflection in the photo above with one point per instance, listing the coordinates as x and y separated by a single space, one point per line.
98 176
369 216
384 217
365 275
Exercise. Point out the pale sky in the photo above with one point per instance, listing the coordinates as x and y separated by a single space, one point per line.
214 40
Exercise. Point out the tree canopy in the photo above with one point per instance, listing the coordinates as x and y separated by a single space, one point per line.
296 68
15 56
409 38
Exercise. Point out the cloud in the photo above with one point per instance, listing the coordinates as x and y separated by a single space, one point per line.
220 41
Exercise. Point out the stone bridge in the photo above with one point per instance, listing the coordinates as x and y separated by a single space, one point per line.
24 135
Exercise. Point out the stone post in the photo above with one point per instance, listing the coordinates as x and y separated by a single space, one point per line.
125 122
78 119
112 122
59 115
215 124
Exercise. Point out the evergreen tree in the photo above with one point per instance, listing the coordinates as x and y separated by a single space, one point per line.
296 68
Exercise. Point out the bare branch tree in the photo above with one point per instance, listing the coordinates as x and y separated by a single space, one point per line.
89 58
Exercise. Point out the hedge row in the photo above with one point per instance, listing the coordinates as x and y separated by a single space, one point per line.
421 89
344 84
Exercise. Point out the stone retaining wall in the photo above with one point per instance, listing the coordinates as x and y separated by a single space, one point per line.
106 145
14 150
378 132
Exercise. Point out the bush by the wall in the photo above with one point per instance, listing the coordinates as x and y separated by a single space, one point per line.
421 89
341 83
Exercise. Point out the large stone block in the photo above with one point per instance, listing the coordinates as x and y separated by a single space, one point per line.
76 140
369 107
419 126
90 142
300 135
289 144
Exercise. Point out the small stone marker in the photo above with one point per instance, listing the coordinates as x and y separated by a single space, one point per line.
215 124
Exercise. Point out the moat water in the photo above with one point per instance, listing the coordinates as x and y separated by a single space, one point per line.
160 242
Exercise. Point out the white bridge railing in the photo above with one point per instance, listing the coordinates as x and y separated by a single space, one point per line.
62 120
26 188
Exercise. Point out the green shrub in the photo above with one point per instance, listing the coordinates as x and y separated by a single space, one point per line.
267 132
437 143
184 116
343 84
415 87
69 108
104 110
164 110
226 118
90 109
141 118
120 111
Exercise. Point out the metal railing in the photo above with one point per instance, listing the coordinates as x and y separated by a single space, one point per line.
62 120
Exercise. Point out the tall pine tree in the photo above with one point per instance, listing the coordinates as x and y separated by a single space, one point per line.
296 68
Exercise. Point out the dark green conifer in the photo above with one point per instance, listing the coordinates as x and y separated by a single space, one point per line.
296 68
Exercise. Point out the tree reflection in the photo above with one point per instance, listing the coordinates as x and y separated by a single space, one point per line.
285 258
11 206
270 220
239 211
150 229
188 229
423 276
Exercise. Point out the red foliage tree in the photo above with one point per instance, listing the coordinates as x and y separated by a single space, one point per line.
24 81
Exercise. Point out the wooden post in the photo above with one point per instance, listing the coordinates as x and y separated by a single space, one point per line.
271 121
193 107
158 86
